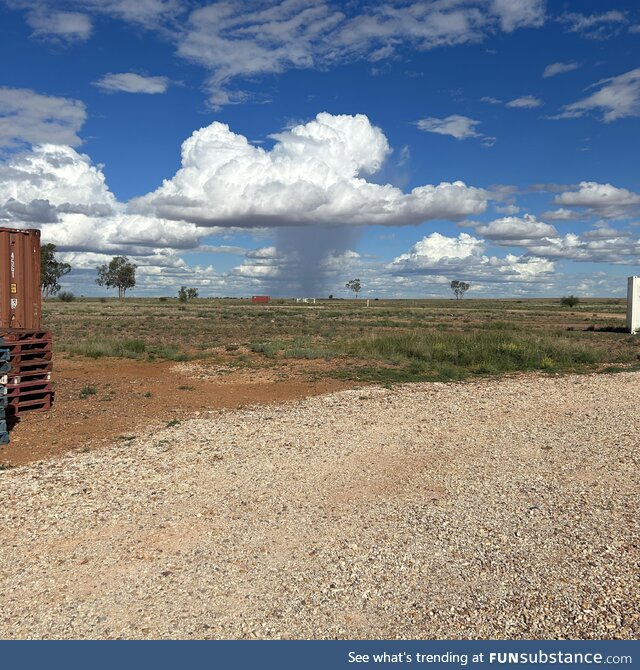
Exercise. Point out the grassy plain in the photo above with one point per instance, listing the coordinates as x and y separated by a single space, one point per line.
389 341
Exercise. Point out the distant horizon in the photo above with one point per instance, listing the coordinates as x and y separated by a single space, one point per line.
467 298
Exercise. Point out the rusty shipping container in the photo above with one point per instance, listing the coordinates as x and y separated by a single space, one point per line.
260 298
20 297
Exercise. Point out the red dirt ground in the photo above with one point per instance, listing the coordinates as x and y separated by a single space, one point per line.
132 395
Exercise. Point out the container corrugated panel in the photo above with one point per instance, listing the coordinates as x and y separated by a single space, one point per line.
20 297
28 385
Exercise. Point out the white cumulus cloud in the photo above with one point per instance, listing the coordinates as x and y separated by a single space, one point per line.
598 246
314 174
60 191
32 118
464 257
513 230
58 175
604 200
437 251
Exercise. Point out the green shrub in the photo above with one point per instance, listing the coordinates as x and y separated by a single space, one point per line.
269 349
88 390
66 296
169 352
569 301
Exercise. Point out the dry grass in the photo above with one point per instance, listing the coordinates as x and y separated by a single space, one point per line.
392 340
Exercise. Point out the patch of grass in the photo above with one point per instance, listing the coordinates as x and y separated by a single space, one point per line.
534 334
169 352
453 354
620 368
109 347
500 325
98 347
186 388
268 349
172 423
88 390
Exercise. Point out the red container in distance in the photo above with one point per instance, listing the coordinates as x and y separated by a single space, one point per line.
20 297
260 298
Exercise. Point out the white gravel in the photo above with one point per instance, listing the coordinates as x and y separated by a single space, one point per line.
504 508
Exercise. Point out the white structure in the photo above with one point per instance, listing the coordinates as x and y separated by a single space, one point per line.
633 304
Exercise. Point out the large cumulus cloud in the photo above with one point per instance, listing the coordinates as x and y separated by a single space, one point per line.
464 257
59 190
57 175
314 174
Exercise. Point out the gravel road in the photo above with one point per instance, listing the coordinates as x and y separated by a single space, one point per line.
505 508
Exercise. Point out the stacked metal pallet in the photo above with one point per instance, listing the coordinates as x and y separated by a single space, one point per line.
5 367
28 384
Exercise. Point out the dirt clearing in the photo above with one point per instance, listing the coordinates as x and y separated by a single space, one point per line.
101 401
493 509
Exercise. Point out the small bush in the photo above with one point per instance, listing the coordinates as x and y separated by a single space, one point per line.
88 390
66 296
569 300
269 349
169 352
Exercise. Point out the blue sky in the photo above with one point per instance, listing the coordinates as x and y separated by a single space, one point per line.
407 144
